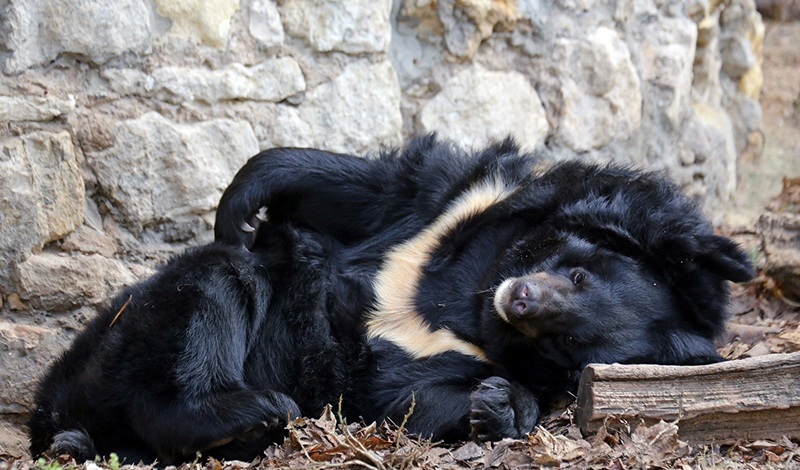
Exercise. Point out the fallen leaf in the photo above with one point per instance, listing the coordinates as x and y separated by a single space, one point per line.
559 447
467 452
653 445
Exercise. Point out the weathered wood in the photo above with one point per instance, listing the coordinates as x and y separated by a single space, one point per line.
755 398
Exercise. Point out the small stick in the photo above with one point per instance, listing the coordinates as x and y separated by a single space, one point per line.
124 306
410 412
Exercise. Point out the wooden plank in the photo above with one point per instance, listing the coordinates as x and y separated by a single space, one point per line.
755 398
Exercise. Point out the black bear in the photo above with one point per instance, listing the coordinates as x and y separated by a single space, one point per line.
480 283
499 280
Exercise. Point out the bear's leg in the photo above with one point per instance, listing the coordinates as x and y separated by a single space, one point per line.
337 194
187 426
438 386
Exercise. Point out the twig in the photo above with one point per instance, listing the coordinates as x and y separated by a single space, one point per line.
788 302
124 306
300 441
336 465
355 444
399 434
409 413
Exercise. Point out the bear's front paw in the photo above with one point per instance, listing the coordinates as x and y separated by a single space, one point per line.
278 408
501 409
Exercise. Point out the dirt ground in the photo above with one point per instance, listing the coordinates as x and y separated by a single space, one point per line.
763 322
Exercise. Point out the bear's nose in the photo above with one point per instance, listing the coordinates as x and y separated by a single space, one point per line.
526 299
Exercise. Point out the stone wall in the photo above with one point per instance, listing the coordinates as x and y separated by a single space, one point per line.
121 121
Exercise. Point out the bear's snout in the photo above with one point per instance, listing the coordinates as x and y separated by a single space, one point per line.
526 299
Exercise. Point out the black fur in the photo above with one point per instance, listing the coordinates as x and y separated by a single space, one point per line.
656 275
219 344
601 264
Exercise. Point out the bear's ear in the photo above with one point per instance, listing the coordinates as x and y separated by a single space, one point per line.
723 257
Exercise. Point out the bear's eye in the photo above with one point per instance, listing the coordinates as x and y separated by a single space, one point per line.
578 276
568 340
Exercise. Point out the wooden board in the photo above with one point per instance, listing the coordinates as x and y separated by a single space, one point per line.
755 398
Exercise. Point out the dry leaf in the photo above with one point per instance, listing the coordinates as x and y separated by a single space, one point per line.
467 452
653 445
559 447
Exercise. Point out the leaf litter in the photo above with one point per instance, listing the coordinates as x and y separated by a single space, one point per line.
328 442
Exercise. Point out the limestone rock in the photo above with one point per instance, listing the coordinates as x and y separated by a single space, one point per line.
737 57
33 108
129 81
158 170
708 133
358 110
464 23
698 10
352 26
27 350
59 282
740 41
478 106
707 63
271 80
207 20
15 303
37 31
667 53
265 23
468 22
684 128
21 337
600 90
535 11
13 440
41 194
88 240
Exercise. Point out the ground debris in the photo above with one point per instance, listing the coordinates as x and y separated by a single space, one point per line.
327 442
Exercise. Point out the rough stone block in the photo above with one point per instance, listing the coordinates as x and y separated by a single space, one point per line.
59 282
478 106
600 90
208 20
737 56
272 80
265 23
158 170
88 240
33 108
26 350
466 23
358 110
708 133
13 440
16 304
667 60
41 194
352 26
37 31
